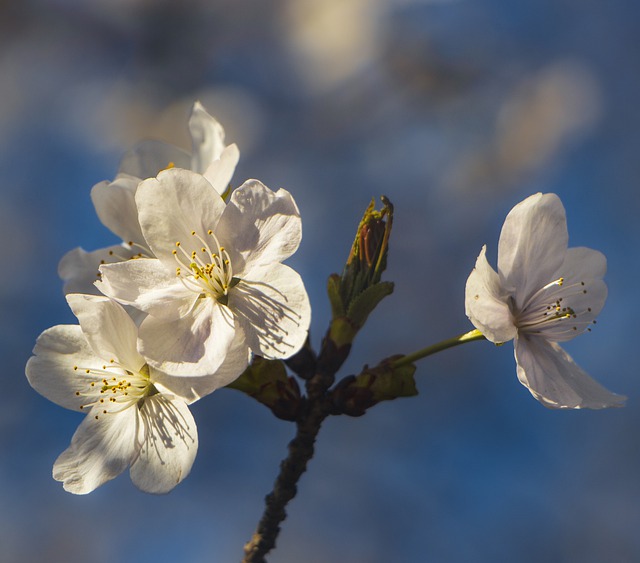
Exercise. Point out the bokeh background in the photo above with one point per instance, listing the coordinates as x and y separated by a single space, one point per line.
456 110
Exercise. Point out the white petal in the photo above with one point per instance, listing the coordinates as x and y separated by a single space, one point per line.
79 268
110 331
582 304
147 159
169 445
262 225
556 380
196 344
116 207
273 309
100 450
581 264
147 285
193 388
174 205
207 137
220 171
486 302
51 370
569 309
532 246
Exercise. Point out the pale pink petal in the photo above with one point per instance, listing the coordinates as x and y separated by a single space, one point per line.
582 264
80 269
220 171
260 225
207 137
193 388
51 372
195 344
169 445
110 331
486 302
100 450
273 309
116 207
556 380
577 311
532 246
173 206
147 285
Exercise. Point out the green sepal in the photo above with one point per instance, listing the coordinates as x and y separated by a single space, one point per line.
364 304
334 284
268 383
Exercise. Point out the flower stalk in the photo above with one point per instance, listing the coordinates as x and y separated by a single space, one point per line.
439 347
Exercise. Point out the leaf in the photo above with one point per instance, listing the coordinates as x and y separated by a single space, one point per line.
364 304
333 290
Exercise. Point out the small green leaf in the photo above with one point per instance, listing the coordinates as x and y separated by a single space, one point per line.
333 290
364 304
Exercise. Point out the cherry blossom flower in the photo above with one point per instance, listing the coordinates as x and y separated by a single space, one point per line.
543 293
217 274
136 415
114 201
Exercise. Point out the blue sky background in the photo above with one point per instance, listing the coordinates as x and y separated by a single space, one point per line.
456 110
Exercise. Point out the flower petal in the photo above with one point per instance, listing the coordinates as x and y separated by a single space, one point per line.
262 225
100 450
273 309
116 207
109 330
207 137
581 304
147 285
148 158
556 380
193 388
51 370
169 446
532 246
486 302
220 171
173 206
195 344
581 264
79 268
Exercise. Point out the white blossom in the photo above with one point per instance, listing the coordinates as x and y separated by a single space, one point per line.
136 416
114 201
543 293
217 273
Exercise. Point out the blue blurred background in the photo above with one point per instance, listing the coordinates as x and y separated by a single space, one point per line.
456 110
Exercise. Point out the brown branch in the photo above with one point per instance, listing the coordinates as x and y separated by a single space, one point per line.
301 450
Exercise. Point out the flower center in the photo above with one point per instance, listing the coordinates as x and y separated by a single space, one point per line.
113 388
558 308
206 271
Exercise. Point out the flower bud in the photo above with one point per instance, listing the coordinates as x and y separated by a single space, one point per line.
357 292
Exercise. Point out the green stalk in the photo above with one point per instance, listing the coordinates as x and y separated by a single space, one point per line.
434 348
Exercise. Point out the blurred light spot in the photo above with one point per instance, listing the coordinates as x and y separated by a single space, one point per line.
331 40
537 121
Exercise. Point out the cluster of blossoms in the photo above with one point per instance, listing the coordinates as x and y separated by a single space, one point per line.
176 311
197 288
